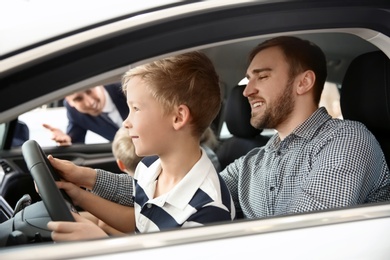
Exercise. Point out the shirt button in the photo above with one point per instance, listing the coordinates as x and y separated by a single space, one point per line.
149 205
272 188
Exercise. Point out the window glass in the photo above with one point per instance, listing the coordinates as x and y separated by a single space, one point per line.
56 117
2 133
330 99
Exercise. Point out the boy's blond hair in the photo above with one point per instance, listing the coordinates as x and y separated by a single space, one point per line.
188 79
124 150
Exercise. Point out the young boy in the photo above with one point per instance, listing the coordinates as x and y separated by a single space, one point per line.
171 102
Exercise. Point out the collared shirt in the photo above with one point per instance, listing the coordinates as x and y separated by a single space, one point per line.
201 197
324 163
111 110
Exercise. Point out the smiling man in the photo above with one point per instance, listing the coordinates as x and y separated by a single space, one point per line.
100 109
313 162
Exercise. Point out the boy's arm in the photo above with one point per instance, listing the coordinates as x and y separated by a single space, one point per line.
111 186
115 215
78 175
82 229
118 216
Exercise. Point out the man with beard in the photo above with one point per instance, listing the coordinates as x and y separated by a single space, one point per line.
314 162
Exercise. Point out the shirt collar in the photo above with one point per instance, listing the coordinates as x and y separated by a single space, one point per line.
306 130
183 192
310 126
109 104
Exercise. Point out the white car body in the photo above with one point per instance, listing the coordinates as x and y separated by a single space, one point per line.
359 232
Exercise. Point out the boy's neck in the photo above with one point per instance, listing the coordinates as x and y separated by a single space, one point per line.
174 167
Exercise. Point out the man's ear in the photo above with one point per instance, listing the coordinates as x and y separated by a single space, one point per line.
181 116
306 82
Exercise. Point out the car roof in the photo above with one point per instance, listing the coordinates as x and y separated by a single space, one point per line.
41 21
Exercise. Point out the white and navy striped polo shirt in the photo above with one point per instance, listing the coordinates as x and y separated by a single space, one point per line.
201 197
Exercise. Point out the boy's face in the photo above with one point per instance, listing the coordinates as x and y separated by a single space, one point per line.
148 126
90 101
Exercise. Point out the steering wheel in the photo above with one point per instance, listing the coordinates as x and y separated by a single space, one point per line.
58 204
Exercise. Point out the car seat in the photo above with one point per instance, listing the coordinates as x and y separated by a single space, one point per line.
365 95
245 137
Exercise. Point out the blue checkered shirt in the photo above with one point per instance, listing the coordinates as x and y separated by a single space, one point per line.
324 163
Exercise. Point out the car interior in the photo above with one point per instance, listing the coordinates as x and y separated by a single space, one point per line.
353 63
244 136
369 69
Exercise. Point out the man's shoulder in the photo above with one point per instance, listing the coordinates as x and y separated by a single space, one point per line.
118 98
114 89
350 131
341 125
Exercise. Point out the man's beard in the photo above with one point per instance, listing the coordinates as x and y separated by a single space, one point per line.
279 112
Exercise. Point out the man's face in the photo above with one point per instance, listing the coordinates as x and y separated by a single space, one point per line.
90 101
269 89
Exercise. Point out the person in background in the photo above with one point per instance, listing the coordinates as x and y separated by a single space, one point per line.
330 99
124 152
171 102
100 109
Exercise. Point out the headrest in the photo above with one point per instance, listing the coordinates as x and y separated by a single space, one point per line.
238 114
365 93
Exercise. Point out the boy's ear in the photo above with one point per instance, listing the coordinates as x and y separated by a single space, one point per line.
121 165
181 116
306 82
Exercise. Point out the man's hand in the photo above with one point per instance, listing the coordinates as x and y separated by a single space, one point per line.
80 230
58 136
